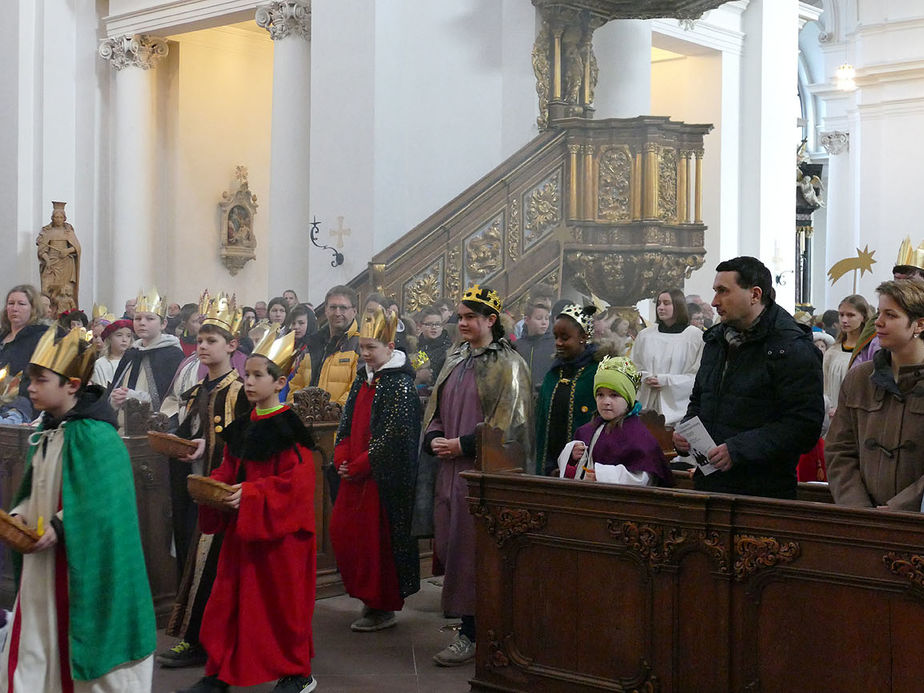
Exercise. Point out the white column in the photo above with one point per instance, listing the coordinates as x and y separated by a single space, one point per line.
133 163
768 143
841 242
289 24
623 50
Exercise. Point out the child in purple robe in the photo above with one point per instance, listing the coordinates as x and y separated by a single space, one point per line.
615 447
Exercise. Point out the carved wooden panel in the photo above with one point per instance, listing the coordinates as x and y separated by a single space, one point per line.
613 192
424 288
622 588
542 209
483 254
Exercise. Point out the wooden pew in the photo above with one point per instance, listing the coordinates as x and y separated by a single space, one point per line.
593 587
152 492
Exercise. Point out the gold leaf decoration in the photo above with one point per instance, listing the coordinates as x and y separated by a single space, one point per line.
424 289
543 208
667 184
484 250
614 196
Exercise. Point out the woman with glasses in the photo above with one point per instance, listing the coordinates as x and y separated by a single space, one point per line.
875 446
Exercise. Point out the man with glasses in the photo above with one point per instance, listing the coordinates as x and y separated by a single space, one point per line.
334 349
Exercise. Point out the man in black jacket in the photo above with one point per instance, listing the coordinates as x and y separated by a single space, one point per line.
759 388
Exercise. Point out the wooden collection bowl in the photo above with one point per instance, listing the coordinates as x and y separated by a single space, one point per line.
208 491
170 445
16 536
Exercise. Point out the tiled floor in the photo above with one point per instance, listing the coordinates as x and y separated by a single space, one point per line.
397 660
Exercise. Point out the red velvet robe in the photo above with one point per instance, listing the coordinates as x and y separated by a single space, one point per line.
257 624
359 529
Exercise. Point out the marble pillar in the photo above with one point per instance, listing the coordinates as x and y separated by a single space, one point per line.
289 25
843 242
133 157
623 50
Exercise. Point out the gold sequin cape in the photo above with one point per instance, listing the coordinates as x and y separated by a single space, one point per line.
504 389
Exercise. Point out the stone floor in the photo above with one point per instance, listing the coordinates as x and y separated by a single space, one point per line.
396 660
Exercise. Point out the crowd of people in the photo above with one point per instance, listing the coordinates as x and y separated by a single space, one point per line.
781 398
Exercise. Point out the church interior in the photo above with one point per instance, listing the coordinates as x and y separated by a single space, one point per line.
609 149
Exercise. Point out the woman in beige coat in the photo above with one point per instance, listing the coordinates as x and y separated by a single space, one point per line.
875 447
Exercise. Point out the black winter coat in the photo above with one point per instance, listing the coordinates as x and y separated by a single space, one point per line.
764 399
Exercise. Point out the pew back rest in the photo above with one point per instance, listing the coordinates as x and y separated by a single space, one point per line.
492 454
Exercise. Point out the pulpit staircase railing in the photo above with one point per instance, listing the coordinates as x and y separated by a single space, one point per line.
612 207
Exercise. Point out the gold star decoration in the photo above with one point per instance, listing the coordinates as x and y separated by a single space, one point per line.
863 261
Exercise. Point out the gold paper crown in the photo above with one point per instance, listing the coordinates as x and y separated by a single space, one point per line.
379 326
151 302
220 311
488 297
909 256
420 359
9 385
623 365
65 357
279 350
101 312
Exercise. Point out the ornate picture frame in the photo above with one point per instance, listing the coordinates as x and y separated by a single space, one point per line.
237 241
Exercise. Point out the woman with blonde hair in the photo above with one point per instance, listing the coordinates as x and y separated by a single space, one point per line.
853 312
20 332
875 447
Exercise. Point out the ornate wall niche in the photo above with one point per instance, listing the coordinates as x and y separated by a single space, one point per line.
236 211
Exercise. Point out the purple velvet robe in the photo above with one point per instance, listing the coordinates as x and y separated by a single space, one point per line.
630 445
454 527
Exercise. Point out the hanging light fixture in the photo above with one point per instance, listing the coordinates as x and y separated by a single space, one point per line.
844 78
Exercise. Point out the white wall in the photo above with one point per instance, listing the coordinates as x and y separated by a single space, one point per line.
453 96
50 99
218 89
690 90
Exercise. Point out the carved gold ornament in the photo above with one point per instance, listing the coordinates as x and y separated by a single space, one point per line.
613 184
313 405
543 208
667 185
755 553
424 289
513 229
453 272
484 250
542 68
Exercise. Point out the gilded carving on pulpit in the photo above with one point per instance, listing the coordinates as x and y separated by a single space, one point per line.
542 68
59 260
424 288
613 186
543 208
484 250
237 241
667 184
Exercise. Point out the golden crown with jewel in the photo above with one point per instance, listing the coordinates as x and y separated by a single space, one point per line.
908 256
65 357
624 365
279 350
488 297
151 302
221 311
379 325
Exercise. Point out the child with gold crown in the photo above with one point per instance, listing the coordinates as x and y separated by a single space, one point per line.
257 623
83 619
615 447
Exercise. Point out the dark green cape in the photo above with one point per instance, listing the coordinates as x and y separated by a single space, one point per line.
110 605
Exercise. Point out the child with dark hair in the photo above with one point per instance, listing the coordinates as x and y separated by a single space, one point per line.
537 345
83 616
484 380
210 406
257 623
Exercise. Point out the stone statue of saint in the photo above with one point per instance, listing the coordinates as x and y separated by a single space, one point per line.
59 260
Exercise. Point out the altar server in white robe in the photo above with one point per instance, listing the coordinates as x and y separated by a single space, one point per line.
667 354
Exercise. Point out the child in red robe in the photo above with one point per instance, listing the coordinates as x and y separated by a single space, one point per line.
257 624
376 458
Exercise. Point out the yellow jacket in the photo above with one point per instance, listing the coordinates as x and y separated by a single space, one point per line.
337 371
